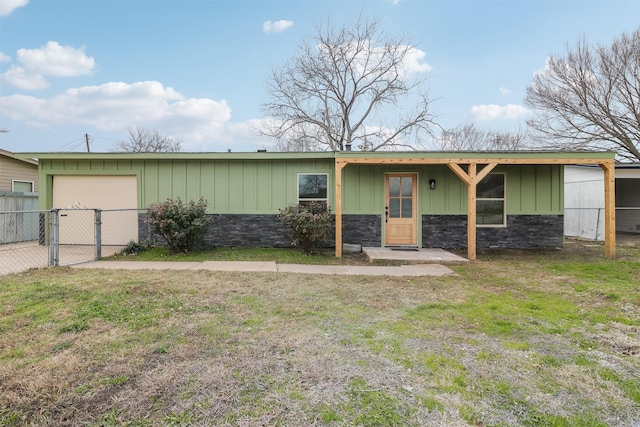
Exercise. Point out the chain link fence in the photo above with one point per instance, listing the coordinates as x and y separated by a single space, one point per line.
63 237
588 223
628 226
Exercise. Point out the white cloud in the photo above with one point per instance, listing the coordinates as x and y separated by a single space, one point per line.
227 137
544 70
414 61
51 59
22 79
4 57
270 27
112 108
499 112
55 60
504 91
8 6
116 106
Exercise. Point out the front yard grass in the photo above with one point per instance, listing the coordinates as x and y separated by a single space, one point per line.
281 255
516 339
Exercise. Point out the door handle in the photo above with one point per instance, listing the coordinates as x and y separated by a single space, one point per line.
386 214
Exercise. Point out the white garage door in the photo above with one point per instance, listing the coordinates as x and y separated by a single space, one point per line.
74 194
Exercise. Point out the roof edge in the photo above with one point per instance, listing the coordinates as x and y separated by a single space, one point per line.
16 156
275 155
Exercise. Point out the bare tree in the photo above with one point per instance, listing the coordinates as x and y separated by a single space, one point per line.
470 138
590 99
349 87
143 140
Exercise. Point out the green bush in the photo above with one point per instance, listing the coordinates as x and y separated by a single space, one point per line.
182 225
309 225
132 248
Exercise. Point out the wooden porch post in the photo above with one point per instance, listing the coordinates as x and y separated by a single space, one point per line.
471 213
338 207
471 179
609 209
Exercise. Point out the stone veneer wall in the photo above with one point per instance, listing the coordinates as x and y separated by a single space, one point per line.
246 230
521 232
236 230
438 231
364 230
267 231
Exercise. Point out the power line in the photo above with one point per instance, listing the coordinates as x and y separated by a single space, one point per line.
70 146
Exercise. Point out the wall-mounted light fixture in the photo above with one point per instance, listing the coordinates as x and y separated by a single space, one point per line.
432 184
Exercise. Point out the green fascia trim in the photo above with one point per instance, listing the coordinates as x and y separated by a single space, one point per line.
180 156
463 155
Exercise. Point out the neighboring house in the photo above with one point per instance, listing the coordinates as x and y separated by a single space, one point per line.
18 187
18 174
585 200
404 199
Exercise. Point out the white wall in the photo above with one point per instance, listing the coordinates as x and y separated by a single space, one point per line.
584 202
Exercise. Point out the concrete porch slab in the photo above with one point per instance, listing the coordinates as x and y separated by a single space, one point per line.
413 256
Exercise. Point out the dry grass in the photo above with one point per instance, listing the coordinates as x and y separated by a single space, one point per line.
514 339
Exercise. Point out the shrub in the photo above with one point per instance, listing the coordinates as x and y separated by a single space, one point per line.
132 248
182 225
309 224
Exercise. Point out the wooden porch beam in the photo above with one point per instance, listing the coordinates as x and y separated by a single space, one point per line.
609 209
478 161
484 172
460 172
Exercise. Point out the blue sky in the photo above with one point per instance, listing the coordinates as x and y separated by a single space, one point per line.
196 69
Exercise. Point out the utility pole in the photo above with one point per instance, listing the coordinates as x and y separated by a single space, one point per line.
86 137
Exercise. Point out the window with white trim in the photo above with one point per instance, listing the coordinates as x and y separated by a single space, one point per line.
21 186
313 187
490 201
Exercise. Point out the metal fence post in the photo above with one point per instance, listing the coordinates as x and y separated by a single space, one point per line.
54 240
98 221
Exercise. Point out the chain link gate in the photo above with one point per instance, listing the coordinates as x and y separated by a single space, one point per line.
74 236
63 237
80 235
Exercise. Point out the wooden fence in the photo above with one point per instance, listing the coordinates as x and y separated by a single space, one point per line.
19 219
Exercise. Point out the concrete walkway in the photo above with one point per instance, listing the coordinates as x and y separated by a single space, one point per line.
363 270
411 255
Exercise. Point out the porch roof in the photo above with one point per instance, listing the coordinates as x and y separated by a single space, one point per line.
472 167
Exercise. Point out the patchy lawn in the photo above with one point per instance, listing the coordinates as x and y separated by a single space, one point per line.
517 338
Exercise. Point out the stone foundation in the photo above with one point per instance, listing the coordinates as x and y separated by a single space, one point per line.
521 232
438 231
363 230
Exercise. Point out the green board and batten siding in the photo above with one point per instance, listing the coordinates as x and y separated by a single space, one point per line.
230 186
530 189
263 186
